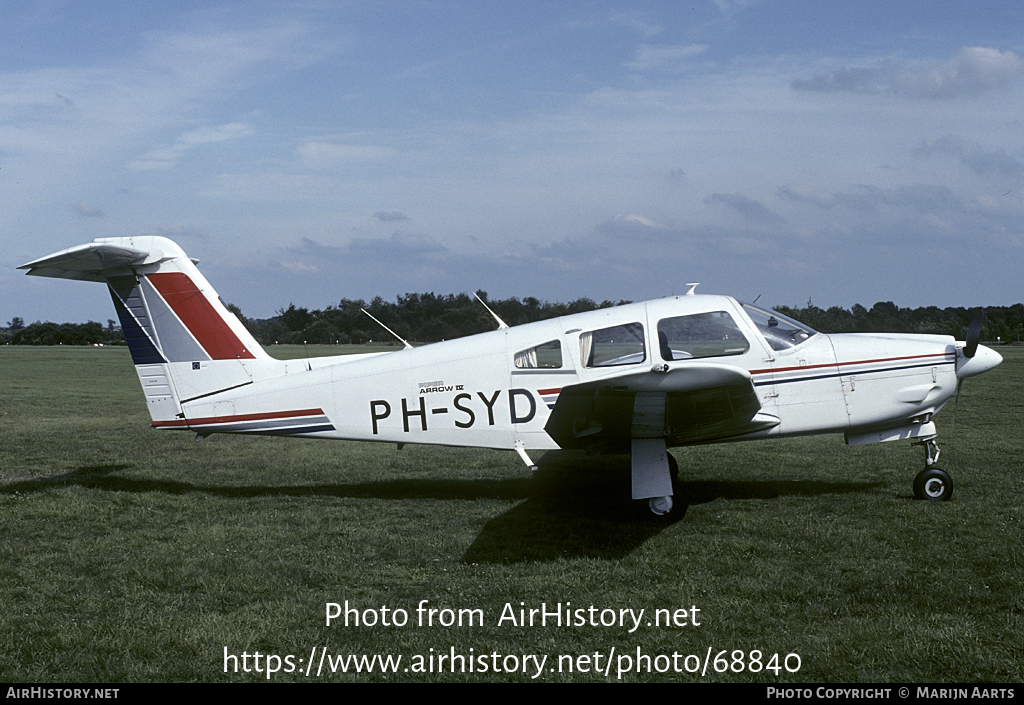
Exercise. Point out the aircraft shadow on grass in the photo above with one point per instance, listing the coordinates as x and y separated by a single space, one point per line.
571 507
576 509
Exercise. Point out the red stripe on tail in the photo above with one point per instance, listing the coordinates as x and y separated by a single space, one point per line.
199 316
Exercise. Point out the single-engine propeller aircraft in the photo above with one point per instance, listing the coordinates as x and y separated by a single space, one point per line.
638 378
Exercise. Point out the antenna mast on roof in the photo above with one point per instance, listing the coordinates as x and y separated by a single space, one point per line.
501 323
407 346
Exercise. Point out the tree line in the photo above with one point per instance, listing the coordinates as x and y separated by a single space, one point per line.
47 333
1001 323
419 318
429 317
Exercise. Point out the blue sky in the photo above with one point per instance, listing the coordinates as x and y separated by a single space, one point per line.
311 151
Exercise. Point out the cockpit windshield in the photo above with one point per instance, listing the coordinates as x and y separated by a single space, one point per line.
781 332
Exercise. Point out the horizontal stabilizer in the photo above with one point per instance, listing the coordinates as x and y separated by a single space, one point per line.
90 262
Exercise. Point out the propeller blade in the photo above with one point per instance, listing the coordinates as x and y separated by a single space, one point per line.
956 405
974 334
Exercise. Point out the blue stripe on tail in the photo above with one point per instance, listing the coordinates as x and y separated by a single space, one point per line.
144 351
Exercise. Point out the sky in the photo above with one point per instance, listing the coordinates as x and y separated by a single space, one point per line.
311 151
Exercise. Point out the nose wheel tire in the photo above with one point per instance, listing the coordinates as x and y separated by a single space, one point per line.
933 484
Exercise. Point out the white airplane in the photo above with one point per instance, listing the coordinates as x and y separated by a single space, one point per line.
638 378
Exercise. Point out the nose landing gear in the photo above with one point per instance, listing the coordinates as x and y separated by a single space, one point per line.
933 483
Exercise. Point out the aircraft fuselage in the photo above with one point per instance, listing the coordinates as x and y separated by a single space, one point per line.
472 391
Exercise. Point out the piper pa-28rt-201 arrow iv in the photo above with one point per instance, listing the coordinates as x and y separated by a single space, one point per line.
638 378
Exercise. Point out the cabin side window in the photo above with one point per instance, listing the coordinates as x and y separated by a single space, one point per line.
545 356
711 334
618 345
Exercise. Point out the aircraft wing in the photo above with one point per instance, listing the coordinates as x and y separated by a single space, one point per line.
86 262
689 402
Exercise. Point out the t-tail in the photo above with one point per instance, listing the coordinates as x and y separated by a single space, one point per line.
185 343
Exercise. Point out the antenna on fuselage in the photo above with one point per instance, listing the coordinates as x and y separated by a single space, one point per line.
693 287
404 341
501 323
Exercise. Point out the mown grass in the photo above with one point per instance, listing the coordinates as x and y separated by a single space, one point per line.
135 555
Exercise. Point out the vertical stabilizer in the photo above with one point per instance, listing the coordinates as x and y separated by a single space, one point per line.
184 342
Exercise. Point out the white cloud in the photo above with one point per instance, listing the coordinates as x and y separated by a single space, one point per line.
218 133
731 6
168 156
807 194
88 210
623 223
177 232
267 187
300 268
747 207
206 62
653 57
325 155
637 23
981 161
921 198
972 71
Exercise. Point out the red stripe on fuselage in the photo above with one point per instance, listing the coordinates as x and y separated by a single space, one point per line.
199 316
274 415
854 362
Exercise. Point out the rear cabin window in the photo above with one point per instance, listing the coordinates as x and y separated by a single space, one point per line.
545 356
712 334
618 345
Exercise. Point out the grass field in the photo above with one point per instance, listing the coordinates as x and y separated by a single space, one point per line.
130 554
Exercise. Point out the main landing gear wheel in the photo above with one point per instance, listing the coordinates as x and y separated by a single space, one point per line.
660 506
933 484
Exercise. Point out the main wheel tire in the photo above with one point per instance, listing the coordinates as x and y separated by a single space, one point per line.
660 506
933 484
664 506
